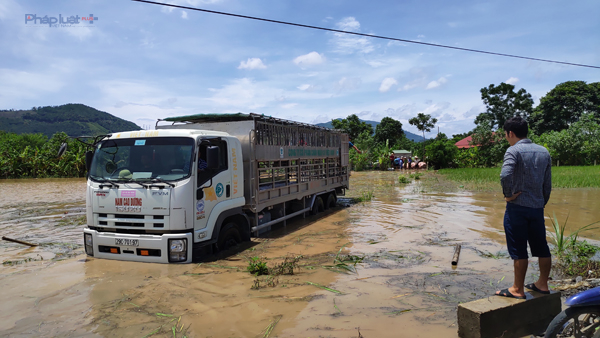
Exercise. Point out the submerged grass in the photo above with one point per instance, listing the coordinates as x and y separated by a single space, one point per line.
269 329
489 178
325 288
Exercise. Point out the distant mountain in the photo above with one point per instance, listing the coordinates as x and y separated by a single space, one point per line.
74 119
409 135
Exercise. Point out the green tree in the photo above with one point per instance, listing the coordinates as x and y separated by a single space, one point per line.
503 103
458 137
389 130
441 152
491 145
577 145
405 143
423 122
353 126
564 105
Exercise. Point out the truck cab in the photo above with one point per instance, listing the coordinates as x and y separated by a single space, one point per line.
152 194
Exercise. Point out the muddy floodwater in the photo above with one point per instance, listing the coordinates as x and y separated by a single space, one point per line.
396 280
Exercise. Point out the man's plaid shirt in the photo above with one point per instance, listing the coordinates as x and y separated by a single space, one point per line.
526 169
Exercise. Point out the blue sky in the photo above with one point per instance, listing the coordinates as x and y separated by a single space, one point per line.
142 62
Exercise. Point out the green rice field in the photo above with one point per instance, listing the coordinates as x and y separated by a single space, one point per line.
562 177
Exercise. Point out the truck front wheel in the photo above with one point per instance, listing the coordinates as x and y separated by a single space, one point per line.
229 236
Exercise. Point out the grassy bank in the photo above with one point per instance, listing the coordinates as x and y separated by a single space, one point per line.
489 178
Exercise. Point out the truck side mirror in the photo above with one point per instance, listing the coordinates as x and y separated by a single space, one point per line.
199 194
212 157
88 160
62 149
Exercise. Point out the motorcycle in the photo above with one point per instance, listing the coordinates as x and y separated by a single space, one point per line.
581 319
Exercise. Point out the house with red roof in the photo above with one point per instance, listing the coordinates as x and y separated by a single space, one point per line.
465 143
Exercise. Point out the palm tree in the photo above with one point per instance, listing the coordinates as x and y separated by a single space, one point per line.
423 122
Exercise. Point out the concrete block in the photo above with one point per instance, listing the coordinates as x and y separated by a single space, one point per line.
504 317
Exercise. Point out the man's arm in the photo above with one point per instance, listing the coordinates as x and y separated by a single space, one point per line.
506 175
547 186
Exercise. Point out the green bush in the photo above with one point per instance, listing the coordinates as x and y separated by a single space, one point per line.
257 267
416 176
441 152
403 179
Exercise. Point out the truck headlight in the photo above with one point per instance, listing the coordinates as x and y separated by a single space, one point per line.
177 250
89 244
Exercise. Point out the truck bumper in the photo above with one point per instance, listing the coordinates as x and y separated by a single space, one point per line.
149 248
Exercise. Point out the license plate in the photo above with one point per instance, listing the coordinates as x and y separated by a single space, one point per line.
127 242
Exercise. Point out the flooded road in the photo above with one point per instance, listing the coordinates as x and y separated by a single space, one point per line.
402 285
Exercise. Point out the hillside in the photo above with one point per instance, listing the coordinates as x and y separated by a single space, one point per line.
409 135
73 118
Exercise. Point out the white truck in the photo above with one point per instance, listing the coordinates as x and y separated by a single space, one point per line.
206 182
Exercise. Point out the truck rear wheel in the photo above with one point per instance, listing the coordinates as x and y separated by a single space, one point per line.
229 236
318 206
331 201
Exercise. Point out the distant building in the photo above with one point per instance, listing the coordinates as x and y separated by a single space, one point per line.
465 143
401 153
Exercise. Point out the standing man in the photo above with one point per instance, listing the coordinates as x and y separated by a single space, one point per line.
526 184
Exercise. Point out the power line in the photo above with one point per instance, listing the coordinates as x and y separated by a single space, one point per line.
366 35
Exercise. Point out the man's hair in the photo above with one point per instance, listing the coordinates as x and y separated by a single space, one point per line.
517 125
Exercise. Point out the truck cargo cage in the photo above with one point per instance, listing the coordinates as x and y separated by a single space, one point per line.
281 157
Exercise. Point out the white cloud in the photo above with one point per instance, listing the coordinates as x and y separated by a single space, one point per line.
435 84
345 84
474 111
184 15
252 63
420 36
348 44
396 43
81 33
407 86
512 80
306 87
348 24
288 105
240 93
376 63
418 78
447 117
387 83
405 111
8 8
310 59
436 109
29 84
194 2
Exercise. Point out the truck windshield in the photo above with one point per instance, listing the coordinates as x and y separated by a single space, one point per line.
143 159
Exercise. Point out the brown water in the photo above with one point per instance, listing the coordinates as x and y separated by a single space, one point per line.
404 287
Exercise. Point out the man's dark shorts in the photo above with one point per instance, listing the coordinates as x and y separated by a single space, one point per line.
522 225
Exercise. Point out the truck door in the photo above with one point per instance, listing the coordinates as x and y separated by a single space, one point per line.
215 184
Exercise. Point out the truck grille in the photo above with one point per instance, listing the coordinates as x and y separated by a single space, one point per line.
132 221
